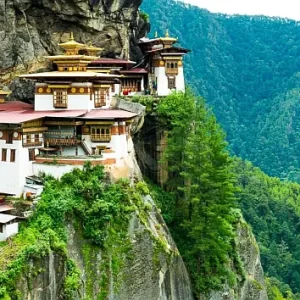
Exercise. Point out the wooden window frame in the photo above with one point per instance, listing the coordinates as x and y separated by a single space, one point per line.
4 154
172 67
171 83
12 155
31 154
100 95
101 133
60 98
9 137
32 139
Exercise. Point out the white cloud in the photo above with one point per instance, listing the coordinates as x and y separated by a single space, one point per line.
282 8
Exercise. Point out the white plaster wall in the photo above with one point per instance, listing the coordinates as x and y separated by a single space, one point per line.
180 85
162 81
117 90
12 174
119 145
79 102
3 235
12 229
142 84
55 170
9 230
71 151
43 102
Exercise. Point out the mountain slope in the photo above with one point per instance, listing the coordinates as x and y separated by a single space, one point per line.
241 65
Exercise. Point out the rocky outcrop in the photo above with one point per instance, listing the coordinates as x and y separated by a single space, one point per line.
253 286
44 278
152 269
136 108
30 29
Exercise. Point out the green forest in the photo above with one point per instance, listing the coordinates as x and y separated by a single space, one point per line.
205 190
247 70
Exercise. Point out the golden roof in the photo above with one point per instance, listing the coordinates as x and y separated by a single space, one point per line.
168 39
71 46
91 47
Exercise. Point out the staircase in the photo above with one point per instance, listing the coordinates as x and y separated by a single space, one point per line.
85 148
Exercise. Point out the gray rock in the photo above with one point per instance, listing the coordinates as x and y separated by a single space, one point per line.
31 29
253 287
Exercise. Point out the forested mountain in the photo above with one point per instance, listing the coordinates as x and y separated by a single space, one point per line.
272 208
247 69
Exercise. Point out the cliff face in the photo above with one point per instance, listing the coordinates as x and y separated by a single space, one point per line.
152 270
253 286
30 29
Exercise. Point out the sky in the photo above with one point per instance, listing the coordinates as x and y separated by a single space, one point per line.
276 8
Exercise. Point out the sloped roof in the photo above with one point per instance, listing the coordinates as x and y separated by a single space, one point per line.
6 218
16 112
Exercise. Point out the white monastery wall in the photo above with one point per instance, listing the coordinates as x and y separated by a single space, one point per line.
12 174
162 81
71 151
43 102
9 230
180 85
56 171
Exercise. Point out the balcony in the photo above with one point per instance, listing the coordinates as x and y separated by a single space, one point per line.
36 143
62 141
172 71
100 137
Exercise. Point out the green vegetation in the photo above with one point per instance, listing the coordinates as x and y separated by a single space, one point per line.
100 213
272 208
144 16
201 184
247 69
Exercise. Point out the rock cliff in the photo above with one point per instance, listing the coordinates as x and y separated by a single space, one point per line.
252 286
152 270
30 29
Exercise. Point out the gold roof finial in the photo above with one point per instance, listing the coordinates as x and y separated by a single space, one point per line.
156 34
71 36
167 33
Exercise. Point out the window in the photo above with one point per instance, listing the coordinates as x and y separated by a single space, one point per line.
9 138
36 138
60 98
12 155
101 134
31 140
1 228
31 153
171 83
172 67
4 153
100 97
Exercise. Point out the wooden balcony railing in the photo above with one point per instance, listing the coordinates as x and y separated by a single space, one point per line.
172 71
32 144
62 142
100 137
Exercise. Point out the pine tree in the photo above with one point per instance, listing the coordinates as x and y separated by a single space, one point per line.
204 189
